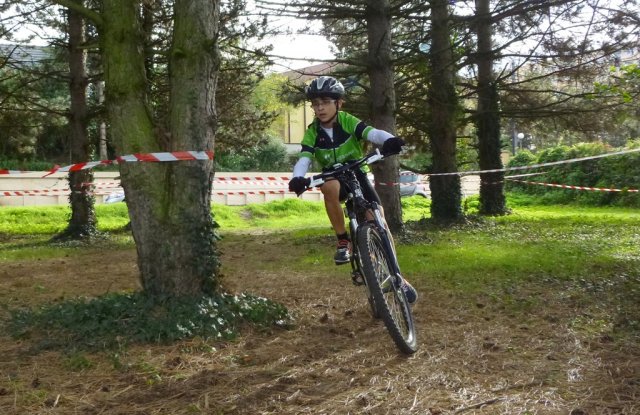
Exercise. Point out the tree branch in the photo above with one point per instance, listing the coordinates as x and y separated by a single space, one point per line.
89 14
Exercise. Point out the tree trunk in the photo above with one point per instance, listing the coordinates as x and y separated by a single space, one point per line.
443 104
169 203
492 200
383 102
82 223
103 153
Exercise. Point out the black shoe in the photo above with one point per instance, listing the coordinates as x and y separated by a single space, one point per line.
409 291
357 278
343 252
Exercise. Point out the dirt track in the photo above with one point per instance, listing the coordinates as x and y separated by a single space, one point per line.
475 357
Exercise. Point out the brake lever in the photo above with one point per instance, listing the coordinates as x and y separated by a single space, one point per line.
315 182
377 156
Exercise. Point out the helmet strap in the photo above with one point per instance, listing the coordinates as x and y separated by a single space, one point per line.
335 117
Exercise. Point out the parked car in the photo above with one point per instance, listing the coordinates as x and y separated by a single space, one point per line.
411 185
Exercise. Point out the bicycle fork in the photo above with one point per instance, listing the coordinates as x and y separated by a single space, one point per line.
356 273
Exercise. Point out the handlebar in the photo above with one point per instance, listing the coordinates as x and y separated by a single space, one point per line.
370 158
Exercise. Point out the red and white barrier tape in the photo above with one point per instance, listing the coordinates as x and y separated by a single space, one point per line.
257 192
566 186
534 166
65 192
59 192
251 178
399 184
525 175
208 155
138 157
15 172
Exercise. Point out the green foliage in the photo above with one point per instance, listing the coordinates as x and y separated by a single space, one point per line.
269 155
522 158
415 208
286 214
33 220
34 104
27 165
624 83
48 220
621 172
116 320
583 254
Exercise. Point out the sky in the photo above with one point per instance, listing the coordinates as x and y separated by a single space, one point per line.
293 51
299 51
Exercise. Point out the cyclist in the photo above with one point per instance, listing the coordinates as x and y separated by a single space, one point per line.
336 137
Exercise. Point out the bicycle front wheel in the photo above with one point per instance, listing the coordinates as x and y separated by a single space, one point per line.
390 300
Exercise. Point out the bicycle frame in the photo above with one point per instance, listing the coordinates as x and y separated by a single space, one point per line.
356 206
373 261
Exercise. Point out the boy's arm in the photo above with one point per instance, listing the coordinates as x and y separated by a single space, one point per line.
364 131
378 137
301 167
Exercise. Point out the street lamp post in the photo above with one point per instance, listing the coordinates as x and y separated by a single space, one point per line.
520 137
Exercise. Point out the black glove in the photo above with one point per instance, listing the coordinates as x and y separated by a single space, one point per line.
392 145
299 184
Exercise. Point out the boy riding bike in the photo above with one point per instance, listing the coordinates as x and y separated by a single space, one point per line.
336 137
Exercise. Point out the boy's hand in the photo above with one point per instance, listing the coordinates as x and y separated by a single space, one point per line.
299 184
393 145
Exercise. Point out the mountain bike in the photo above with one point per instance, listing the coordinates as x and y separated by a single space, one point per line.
373 261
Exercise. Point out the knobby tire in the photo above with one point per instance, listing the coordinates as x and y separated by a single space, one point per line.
390 301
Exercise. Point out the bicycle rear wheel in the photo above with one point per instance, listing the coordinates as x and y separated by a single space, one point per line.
390 300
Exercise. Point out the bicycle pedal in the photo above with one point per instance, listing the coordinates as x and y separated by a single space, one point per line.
356 278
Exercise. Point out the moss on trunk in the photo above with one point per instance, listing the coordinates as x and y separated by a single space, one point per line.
169 203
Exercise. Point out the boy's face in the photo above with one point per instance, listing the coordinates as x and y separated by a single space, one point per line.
324 108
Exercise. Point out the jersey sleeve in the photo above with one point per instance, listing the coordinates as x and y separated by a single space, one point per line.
378 137
353 125
301 167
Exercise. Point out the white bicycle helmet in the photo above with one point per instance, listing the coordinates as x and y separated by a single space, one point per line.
325 86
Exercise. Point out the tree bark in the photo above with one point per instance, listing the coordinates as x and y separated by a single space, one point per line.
169 203
443 105
82 222
383 103
492 200
103 153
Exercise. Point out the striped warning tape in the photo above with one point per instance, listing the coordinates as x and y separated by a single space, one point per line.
139 157
399 184
14 172
57 192
136 157
535 166
567 186
257 192
65 192
251 178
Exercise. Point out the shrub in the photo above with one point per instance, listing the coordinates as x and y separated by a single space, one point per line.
621 172
268 156
115 320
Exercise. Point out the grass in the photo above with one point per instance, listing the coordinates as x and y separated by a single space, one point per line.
532 241
525 299
48 220
535 241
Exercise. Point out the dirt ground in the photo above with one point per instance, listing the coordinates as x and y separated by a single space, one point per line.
475 357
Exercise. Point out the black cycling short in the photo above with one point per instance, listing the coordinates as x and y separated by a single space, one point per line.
367 188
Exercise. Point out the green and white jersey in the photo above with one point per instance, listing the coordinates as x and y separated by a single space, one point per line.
349 134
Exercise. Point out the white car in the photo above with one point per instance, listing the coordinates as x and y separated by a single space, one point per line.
411 185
